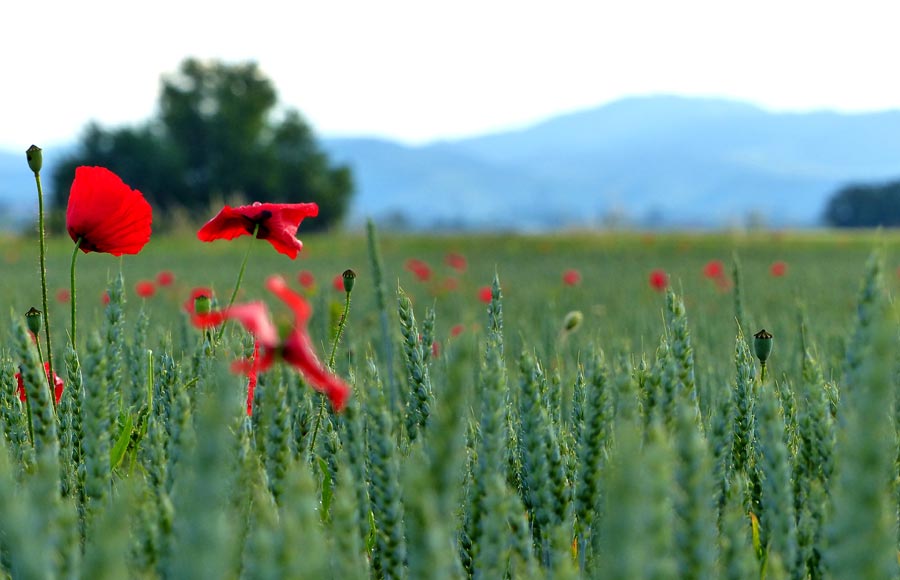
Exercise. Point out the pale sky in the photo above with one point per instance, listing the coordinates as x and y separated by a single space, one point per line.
421 70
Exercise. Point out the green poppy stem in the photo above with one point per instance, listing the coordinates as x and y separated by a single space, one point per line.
237 284
337 338
43 246
72 291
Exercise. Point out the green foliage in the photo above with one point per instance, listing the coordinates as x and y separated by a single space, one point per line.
564 462
864 205
216 137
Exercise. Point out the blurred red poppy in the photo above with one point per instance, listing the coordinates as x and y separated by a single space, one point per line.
275 222
456 261
420 269
63 296
450 284
145 289
456 330
105 215
58 385
484 294
571 277
778 269
714 269
659 280
165 278
104 298
338 283
435 349
306 279
296 349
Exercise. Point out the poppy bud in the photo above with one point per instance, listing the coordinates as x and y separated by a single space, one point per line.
349 277
762 345
572 320
34 319
35 158
202 304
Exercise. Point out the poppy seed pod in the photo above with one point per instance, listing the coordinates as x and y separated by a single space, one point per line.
34 319
349 277
202 304
762 345
35 157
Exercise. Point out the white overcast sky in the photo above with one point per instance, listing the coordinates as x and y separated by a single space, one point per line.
422 70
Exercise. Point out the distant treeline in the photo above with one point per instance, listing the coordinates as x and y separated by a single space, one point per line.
216 137
865 205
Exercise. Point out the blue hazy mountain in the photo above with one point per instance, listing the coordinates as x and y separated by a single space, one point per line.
655 160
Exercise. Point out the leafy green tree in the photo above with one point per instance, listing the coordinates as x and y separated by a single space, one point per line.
864 205
216 137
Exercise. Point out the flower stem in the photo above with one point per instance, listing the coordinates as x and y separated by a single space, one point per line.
337 338
43 245
72 291
237 285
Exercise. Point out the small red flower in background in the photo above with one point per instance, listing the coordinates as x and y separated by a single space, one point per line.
306 279
165 278
105 214
659 280
484 294
420 269
456 330
778 269
296 349
571 277
63 296
714 269
450 284
104 298
145 289
456 261
276 222
435 349
338 283
58 385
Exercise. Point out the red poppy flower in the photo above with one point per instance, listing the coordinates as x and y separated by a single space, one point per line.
104 298
571 277
778 269
485 294
420 269
165 278
456 330
307 280
58 384
296 349
105 214
714 269
435 349
145 289
457 262
659 280
275 222
338 283
63 296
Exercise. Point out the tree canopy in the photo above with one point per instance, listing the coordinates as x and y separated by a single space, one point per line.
865 205
218 135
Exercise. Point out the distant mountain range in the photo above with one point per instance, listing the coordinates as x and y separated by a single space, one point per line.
651 161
